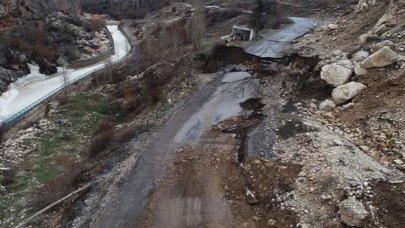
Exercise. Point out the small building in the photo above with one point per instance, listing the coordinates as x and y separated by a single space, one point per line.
240 32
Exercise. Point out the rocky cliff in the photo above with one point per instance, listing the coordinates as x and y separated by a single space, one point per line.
123 8
43 32
34 9
9 72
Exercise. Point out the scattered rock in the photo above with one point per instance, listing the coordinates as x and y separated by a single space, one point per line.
365 148
347 106
381 30
384 43
227 126
360 71
335 74
256 219
337 52
345 63
345 92
352 212
251 198
363 38
383 57
360 56
327 105
384 19
398 161
332 26
271 222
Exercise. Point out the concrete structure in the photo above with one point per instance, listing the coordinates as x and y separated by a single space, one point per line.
242 32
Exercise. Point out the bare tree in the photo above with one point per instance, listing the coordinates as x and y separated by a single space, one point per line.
198 24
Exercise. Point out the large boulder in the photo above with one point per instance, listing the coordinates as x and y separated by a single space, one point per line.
335 74
345 92
352 212
381 58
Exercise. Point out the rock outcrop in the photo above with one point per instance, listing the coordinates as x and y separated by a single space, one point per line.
35 9
8 72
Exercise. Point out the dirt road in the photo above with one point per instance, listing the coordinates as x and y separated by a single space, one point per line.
213 103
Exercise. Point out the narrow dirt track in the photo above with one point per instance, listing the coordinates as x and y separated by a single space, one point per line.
127 208
192 194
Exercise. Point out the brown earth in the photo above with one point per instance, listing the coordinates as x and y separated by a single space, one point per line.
208 187
390 199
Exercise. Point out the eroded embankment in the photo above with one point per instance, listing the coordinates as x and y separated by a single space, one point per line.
221 179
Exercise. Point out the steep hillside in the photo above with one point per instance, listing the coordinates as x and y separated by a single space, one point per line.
123 8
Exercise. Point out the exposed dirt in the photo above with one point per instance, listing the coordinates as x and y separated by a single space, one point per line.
390 200
208 187
384 92
323 41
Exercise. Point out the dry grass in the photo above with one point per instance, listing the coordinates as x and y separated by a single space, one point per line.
96 25
101 140
58 186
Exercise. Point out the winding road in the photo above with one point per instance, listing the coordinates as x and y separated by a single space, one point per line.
35 86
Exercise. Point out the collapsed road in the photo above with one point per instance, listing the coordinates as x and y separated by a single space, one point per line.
273 43
217 101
